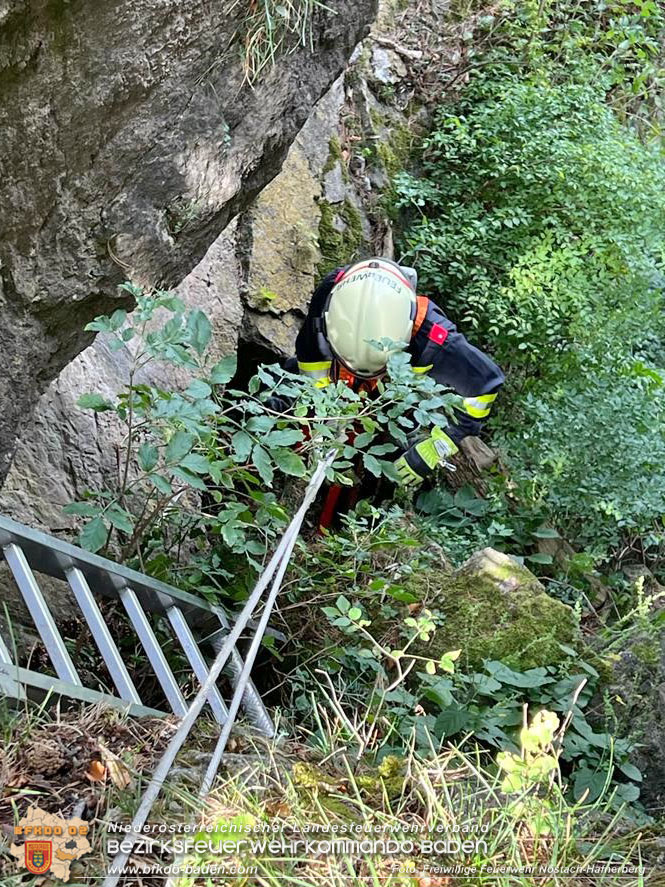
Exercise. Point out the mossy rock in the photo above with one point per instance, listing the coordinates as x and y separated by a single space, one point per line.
494 608
340 234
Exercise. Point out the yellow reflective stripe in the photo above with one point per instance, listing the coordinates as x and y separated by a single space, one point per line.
422 369
479 407
314 366
318 371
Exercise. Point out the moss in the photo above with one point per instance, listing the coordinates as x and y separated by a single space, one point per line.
335 156
312 777
387 778
339 247
394 152
495 609
316 786
647 651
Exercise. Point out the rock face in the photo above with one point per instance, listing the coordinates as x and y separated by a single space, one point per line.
496 609
322 209
126 130
254 281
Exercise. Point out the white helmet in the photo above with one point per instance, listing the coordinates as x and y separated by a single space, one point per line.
375 299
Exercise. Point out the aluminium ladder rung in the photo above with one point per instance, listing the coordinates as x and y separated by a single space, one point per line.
199 665
90 578
41 615
153 651
102 636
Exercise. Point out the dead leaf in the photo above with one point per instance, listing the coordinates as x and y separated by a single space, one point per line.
120 775
278 809
116 769
96 771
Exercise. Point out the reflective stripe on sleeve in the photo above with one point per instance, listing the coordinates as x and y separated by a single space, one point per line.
318 371
479 407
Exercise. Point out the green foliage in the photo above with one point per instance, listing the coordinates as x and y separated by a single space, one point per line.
374 655
197 493
538 218
539 215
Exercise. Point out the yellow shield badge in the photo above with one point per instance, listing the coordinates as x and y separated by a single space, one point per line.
38 856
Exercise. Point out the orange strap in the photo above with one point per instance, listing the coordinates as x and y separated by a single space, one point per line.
421 313
343 375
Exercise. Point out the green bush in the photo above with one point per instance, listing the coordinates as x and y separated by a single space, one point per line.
538 215
537 219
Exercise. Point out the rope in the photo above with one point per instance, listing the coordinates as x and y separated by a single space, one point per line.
278 562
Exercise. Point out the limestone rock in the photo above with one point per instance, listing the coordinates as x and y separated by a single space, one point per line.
279 235
387 66
334 185
494 608
68 450
126 128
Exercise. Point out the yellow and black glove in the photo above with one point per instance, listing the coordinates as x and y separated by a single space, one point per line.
422 458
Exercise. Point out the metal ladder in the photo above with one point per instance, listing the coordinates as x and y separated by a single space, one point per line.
194 623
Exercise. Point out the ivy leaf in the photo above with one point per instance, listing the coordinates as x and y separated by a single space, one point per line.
631 771
627 792
93 535
592 781
451 721
178 447
540 558
261 460
225 370
148 456
533 677
94 402
289 462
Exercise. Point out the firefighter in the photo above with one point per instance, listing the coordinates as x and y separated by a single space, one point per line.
376 299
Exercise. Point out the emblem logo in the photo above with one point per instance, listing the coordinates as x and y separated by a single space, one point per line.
38 855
